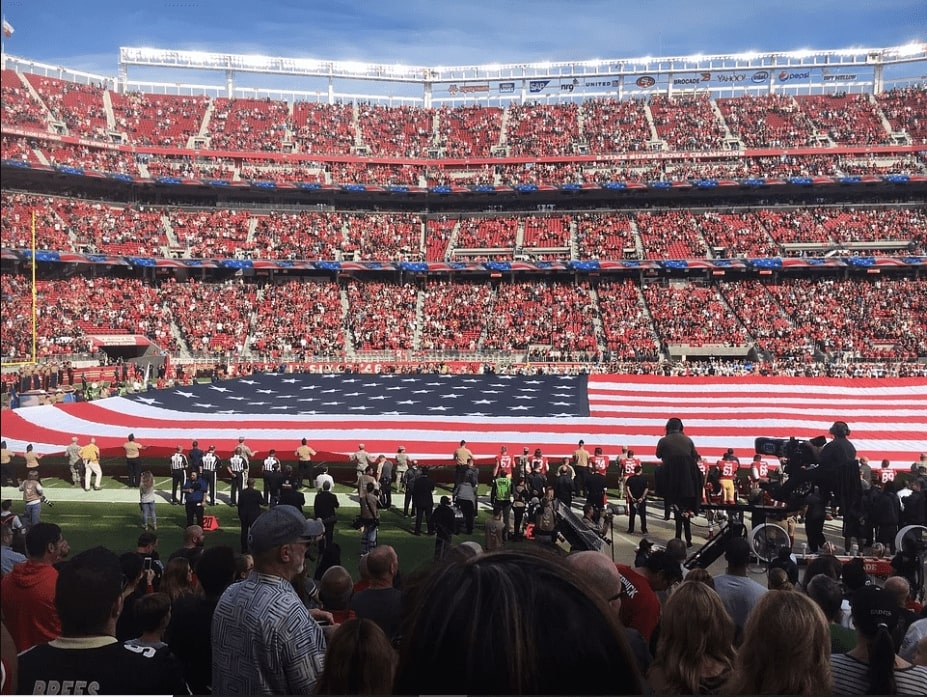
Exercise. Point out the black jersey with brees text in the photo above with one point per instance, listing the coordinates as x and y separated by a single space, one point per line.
98 666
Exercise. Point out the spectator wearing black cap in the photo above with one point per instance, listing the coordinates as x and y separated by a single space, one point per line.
873 667
263 638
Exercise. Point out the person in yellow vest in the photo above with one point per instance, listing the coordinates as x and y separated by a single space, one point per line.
90 454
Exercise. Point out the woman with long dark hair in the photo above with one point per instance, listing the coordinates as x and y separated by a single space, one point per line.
873 667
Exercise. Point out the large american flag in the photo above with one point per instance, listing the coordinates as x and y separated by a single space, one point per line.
430 414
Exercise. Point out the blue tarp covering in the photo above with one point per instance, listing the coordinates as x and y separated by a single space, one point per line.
141 261
482 189
850 180
526 188
659 185
264 185
310 186
169 180
801 181
615 186
216 182
353 187
572 186
67 169
16 163
193 262
863 262
328 265
443 189
754 181
121 177
398 189
707 184
897 178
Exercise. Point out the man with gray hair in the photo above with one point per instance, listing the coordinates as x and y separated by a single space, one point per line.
264 640
828 594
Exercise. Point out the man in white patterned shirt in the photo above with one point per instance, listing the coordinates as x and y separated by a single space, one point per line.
263 639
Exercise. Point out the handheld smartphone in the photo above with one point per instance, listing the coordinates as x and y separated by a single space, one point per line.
147 566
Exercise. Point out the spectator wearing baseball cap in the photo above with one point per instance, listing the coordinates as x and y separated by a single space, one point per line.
264 640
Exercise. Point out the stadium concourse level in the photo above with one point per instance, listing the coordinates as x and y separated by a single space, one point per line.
74 225
784 321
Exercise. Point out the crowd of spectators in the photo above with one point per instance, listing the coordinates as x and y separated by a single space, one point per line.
84 157
16 221
671 235
534 129
323 129
186 167
602 236
19 107
768 322
382 316
299 235
223 234
906 111
884 318
469 131
384 237
454 315
687 122
611 126
100 228
847 119
547 231
298 320
736 235
550 320
396 131
248 125
603 126
164 120
213 319
438 233
628 330
78 106
487 232
687 313
19 149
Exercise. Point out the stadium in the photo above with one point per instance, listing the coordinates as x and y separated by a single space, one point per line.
210 248
745 215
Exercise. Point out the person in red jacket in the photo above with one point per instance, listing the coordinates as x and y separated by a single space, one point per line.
27 593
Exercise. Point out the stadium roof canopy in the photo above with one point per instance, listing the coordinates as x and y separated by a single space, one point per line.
853 70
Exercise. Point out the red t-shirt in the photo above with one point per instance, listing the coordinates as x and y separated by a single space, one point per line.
640 607
504 463
628 465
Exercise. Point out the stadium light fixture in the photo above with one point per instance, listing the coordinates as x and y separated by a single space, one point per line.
910 49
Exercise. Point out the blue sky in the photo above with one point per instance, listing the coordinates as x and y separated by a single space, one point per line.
87 35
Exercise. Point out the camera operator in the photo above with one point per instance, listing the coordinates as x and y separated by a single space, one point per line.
33 496
836 471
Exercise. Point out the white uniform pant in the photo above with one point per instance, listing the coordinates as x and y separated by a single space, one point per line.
92 468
